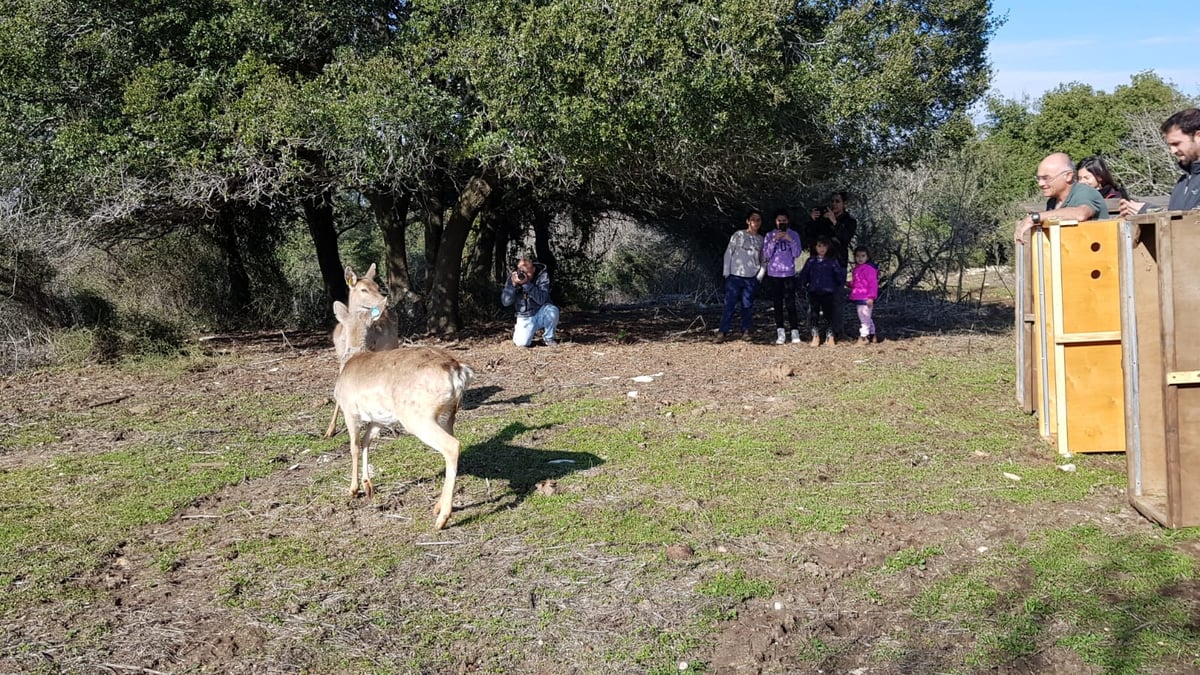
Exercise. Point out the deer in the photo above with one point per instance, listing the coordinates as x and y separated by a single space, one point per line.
420 387
366 306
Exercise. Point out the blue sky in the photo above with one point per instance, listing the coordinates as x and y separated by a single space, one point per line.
1099 42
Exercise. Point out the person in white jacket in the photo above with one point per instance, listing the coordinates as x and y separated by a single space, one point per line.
743 261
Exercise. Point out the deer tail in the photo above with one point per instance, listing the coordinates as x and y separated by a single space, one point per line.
460 378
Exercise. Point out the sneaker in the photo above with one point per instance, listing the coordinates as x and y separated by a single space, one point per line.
780 336
550 342
795 336
816 340
830 339
721 337
747 336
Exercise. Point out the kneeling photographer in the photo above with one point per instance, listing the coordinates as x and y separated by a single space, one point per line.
528 287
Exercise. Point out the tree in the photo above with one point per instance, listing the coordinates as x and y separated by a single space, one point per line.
663 109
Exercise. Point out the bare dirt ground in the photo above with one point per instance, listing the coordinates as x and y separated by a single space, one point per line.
170 620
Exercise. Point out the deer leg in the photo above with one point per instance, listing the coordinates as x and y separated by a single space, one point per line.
433 435
332 421
372 435
352 431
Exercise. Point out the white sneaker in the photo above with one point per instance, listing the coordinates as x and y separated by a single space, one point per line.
781 336
795 336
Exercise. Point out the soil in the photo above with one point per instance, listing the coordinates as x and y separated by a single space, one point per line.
172 620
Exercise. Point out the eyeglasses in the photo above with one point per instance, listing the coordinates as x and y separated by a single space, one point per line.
1047 179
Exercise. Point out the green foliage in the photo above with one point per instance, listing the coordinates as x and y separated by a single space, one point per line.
215 121
1081 121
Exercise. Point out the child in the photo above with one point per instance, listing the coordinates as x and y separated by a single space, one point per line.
822 277
864 289
781 250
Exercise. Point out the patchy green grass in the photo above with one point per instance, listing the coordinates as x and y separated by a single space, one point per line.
66 514
1112 600
735 587
575 576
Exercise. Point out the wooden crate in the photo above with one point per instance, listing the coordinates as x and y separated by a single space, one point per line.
1160 303
1079 387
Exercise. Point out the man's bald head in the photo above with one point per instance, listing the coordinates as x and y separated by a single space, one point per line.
1059 161
1055 175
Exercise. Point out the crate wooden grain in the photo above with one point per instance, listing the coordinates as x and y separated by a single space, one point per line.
1076 335
1160 303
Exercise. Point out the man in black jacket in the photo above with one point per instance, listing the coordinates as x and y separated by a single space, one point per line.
1181 131
528 287
843 227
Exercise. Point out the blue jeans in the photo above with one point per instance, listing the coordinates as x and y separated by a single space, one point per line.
545 319
738 291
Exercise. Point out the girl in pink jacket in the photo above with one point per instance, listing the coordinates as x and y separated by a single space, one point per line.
864 289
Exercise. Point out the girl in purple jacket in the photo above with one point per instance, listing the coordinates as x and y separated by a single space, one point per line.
864 289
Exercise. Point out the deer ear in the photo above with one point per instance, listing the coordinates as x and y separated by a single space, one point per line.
370 274
351 277
341 311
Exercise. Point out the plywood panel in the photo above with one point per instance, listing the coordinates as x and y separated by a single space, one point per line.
1165 274
1095 397
1189 454
1150 370
1090 282
1185 243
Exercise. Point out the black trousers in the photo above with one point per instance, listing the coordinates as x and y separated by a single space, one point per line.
783 292
821 312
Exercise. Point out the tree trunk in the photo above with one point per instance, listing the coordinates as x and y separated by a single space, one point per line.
500 264
318 211
541 240
479 269
443 296
235 267
391 214
435 215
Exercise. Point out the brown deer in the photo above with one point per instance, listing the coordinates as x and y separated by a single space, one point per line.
419 387
367 309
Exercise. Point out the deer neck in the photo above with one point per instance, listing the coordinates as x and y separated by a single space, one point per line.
358 330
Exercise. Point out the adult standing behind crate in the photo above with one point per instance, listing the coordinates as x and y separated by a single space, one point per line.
1066 199
1181 132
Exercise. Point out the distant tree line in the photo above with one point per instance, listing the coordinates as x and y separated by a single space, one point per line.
218 162
169 154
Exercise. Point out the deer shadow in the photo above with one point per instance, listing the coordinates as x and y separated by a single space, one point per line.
523 468
480 396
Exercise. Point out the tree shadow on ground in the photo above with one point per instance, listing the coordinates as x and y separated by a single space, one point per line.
522 468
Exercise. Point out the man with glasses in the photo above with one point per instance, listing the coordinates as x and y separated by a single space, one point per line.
1066 199
1181 132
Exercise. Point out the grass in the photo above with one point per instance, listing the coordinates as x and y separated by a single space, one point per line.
576 578
1109 599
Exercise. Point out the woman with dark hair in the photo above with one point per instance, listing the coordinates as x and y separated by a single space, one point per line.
1094 171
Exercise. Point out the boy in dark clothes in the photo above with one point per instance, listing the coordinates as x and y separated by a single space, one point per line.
822 277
